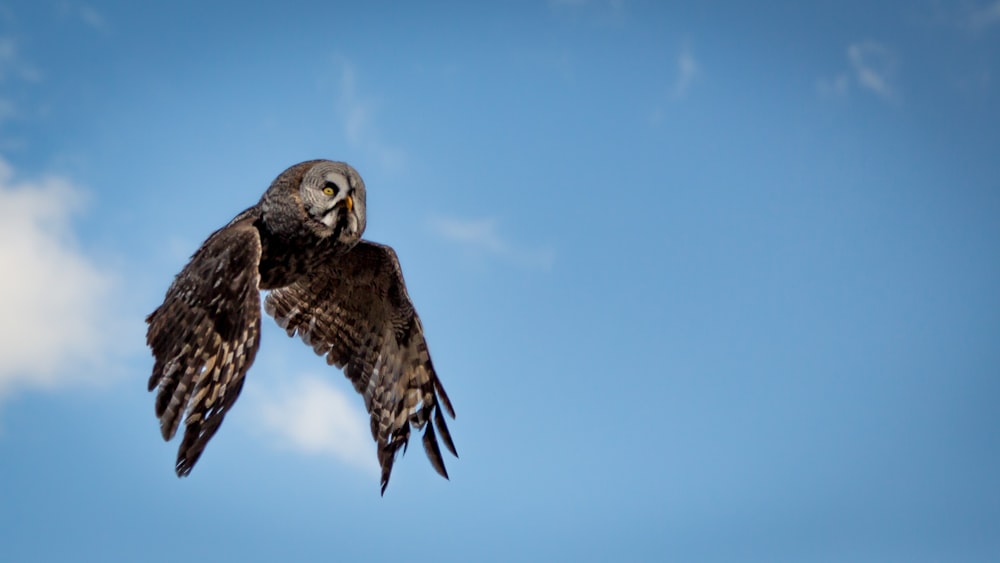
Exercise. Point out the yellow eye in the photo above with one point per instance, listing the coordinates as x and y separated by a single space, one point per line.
328 190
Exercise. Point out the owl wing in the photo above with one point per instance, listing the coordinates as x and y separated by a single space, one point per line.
205 336
355 311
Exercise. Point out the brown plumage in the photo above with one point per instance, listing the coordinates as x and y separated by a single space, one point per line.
343 296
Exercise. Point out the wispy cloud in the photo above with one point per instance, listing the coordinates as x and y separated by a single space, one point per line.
616 5
871 67
55 325
482 237
982 17
16 78
13 65
311 416
84 13
603 12
7 109
688 70
358 115
836 86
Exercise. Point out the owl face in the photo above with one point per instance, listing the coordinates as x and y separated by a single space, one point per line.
333 195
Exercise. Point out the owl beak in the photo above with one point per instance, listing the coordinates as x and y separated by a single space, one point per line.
349 202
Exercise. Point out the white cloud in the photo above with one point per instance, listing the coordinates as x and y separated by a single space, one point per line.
8 50
7 109
16 76
688 70
359 123
602 12
312 416
482 237
836 86
873 66
13 66
93 18
615 5
85 13
55 323
986 16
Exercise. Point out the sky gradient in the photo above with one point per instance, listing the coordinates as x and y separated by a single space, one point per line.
704 283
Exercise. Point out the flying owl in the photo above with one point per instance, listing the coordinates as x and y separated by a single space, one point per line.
344 296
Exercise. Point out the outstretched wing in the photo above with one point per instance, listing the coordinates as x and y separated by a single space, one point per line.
355 311
205 336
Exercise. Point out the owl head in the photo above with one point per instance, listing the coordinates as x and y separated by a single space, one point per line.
328 197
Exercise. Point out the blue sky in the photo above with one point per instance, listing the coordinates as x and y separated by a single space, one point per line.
704 283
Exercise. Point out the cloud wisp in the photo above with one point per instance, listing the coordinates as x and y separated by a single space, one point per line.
872 67
309 415
84 13
482 238
688 70
17 76
604 12
985 17
686 73
12 64
54 330
359 127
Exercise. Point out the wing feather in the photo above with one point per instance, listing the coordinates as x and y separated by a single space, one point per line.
205 336
355 311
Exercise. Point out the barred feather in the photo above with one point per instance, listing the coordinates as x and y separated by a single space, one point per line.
350 306
355 311
205 336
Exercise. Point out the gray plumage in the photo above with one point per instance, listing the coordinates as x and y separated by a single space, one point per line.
345 297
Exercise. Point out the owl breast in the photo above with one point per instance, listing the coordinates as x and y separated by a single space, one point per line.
286 260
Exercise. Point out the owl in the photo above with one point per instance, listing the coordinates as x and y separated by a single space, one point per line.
344 296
